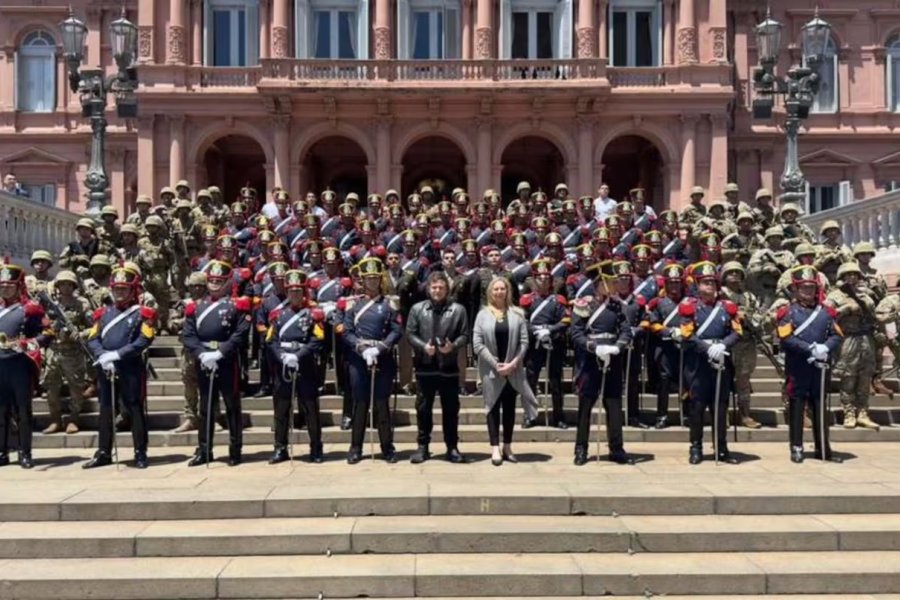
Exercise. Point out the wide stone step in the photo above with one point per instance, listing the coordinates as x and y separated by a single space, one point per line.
432 575
450 534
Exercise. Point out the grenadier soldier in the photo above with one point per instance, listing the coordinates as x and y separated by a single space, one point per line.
875 283
743 353
665 327
831 253
109 229
600 334
118 340
22 334
295 337
347 235
804 254
695 210
548 318
352 294
40 280
76 256
271 299
634 306
215 328
810 336
65 358
190 420
856 363
579 284
709 329
373 328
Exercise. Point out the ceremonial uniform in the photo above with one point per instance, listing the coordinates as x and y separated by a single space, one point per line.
664 324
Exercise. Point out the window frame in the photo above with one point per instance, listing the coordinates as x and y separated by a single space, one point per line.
834 59
251 35
30 50
46 193
631 8
892 59
561 27
842 190
304 20
405 11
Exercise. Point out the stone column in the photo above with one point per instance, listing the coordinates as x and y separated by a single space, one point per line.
197 33
94 35
382 29
718 161
281 43
382 180
484 149
176 148
688 158
585 154
62 83
175 33
668 31
8 73
601 29
467 30
145 156
687 33
717 39
116 157
145 31
282 125
484 30
264 44
586 31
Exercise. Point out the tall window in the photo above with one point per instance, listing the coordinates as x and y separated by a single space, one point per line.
826 101
335 29
41 193
36 73
893 73
536 29
232 33
428 29
821 197
635 33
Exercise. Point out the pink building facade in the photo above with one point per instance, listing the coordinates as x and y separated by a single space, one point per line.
367 95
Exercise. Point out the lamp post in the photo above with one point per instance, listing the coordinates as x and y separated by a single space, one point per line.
93 87
798 87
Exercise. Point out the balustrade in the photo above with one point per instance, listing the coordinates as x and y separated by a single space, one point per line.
26 226
875 220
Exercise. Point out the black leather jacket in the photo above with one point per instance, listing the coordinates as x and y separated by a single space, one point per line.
428 323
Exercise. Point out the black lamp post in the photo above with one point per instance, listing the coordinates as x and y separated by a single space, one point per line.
798 87
93 87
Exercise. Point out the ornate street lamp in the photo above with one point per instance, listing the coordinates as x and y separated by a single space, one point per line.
798 87
93 87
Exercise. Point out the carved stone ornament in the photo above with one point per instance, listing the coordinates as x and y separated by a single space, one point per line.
586 38
176 43
145 41
279 41
382 43
718 43
687 45
483 40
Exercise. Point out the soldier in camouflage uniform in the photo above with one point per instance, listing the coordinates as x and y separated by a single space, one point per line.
129 249
767 265
109 229
863 253
734 206
694 211
204 211
156 260
741 244
716 221
795 232
184 244
191 418
96 288
763 213
831 253
66 360
856 363
39 281
743 353
142 212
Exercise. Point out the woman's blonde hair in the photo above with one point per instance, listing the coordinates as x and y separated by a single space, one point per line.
508 300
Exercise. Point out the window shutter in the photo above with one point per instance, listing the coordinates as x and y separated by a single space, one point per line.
562 21
252 35
362 24
845 193
451 33
403 29
301 35
505 28
208 34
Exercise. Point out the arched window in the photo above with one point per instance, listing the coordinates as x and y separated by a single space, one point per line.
36 73
826 101
892 64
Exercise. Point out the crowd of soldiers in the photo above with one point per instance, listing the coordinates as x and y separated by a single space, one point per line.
682 302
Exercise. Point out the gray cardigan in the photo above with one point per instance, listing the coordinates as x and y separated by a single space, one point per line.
485 346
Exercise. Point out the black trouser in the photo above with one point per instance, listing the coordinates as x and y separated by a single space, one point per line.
361 382
308 402
448 388
507 404
614 418
341 369
634 374
129 382
667 358
795 427
227 384
536 360
15 401
265 366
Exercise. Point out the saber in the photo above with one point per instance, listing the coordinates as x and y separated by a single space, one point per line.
112 393
372 411
334 365
291 418
719 368
628 381
600 407
209 430
546 387
823 367
734 413
680 384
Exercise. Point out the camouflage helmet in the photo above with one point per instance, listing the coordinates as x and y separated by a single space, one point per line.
145 199
523 185
204 194
197 278
829 225
67 276
718 204
847 268
41 255
804 249
130 228
763 193
789 207
166 190
183 204
733 266
560 186
101 260
743 216
86 223
863 248
214 189
109 210
698 190
775 231
182 183
154 221
731 188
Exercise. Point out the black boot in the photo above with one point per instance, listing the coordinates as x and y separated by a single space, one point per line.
830 456
581 456
455 457
25 460
696 455
346 423
279 456
101 459
316 455
560 424
637 423
354 456
234 457
140 459
420 455
662 422
4 459
725 455
389 454
797 454
199 458
529 423
619 456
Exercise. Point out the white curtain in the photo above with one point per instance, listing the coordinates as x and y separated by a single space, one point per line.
413 36
893 75
826 100
318 17
403 29
36 73
351 19
451 33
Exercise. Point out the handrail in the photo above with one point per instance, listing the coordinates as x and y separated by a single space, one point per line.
26 226
875 220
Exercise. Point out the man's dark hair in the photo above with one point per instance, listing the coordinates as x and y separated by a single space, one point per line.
438 276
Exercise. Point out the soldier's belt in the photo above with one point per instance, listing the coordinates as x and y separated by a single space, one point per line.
603 336
711 340
211 345
369 343
291 345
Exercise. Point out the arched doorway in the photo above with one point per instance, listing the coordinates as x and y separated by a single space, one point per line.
633 161
233 162
337 163
533 159
434 161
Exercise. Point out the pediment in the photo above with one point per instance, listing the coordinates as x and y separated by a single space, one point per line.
890 160
828 158
34 156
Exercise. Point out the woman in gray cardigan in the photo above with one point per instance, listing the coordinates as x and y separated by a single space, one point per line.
500 340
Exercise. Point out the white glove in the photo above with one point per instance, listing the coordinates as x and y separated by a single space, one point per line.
290 360
600 351
819 352
612 350
541 334
328 308
716 352
107 358
109 367
676 334
209 359
371 356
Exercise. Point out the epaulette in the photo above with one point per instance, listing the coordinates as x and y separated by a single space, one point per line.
582 306
147 313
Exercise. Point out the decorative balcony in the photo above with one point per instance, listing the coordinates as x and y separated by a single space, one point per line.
26 226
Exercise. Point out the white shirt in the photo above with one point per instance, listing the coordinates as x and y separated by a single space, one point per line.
604 208
270 209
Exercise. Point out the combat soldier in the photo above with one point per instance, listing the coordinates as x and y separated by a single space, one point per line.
129 236
695 210
856 363
741 244
204 212
767 265
40 281
142 212
109 229
715 221
734 206
156 260
809 336
795 232
191 418
66 360
76 256
875 284
831 253
763 213
743 353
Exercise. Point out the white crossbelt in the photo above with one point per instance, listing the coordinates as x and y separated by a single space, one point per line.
808 321
119 317
290 322
709 320
206 312
597 314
